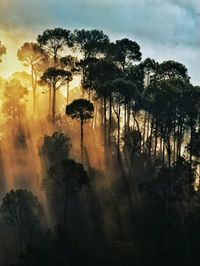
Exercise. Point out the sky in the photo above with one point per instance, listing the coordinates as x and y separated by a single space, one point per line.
164 29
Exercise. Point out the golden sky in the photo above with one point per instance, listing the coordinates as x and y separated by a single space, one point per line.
12 40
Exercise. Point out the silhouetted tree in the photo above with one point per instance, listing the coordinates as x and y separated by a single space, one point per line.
92 44
128 51
132 143
122 90
193 148
22 211
70 64
55 78
54 41
55 148
64 179
82 110
32 55
99 77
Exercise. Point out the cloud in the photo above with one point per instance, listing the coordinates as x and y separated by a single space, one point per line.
162 28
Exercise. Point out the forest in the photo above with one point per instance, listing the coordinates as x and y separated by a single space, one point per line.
99 155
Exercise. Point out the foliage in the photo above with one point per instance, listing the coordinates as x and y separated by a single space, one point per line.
80 109
55 148
22 212
14 99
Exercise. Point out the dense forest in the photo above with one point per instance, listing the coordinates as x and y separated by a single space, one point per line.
99 155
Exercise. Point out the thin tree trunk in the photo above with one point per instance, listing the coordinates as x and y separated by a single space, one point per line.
135 120
128 115
163 150
144 130
50 101
148 125
156 141
169 151
33 88
67 92
192 130
104 120
54 105
174 142
161 146
81 140
34 100
110 119
150 138
125 117
118 129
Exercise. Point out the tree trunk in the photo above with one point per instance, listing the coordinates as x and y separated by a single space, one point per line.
144 131
104 120
50 101
169 151
128 115
156 142
67 92
110 119
55 60
34 100
125 117
163 151
118 130
192 130
81 140
174 142
150 138
54 105
149 124
33 83
135 120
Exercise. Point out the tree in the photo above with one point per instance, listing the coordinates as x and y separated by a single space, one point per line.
70 64
190 104
24 77
14 104
194 147
171 70
150 68
121 92
55 78
166 102
55 148
128 51
22 211
54 41
2 50
81 110
31 54
132 143
99 77
92 44
64 179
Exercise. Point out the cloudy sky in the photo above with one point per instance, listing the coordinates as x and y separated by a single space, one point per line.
165 29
